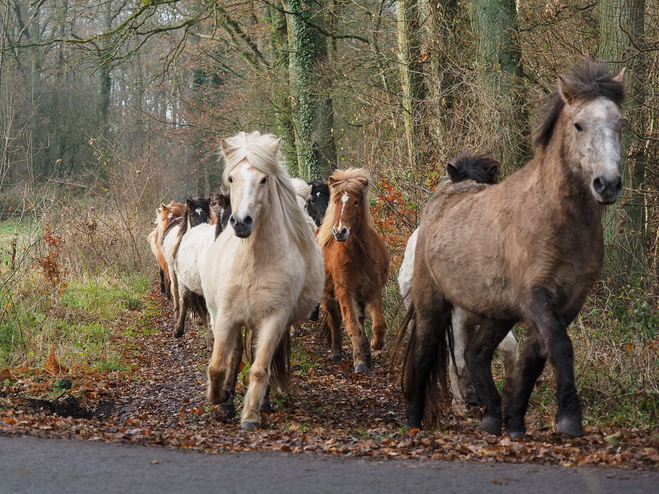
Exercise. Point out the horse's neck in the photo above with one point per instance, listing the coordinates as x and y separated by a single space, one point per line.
269 232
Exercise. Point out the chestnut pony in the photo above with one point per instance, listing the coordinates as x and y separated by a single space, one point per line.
356 266
166 216
527 249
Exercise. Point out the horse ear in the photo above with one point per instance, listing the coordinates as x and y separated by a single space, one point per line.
226 147
364 182
622 75
451 170
274 147
566 92
189 202
331 181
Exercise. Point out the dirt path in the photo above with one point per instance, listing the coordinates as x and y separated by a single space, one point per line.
161 401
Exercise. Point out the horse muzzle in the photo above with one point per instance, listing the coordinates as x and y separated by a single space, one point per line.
606 188
341 235
242 227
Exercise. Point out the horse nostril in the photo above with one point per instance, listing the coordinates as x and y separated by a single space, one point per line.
248 221
334 231
344 231
232 221
598 185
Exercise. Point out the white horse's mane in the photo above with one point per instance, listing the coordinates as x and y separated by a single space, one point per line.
262 152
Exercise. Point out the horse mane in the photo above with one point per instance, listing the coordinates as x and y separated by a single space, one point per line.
262 152
354 181
481 168
584 82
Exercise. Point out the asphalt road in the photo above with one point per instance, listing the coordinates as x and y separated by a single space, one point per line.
44 466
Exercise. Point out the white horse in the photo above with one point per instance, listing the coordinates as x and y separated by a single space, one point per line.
264 273
465 325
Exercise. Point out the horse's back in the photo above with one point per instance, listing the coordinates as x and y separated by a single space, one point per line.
193 247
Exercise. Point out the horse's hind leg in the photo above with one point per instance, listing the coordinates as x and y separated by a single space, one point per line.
376 311
334 320
529 366
478 357
186 296
269 336
463 330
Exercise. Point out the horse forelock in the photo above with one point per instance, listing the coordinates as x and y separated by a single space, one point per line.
585 83
262 153
353 181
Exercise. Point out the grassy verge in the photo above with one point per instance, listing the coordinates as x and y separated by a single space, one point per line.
44 306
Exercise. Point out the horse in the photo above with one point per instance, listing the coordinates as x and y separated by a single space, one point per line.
303 195
220 204
197 212
166 215
356 266
264 273
316 205
481 169
527 249
192 246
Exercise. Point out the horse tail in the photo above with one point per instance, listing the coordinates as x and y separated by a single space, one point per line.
198 307
481 168
280 367
439 359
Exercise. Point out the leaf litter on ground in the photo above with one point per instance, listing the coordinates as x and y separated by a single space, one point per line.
160 400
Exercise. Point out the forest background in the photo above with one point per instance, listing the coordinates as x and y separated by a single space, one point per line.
110 107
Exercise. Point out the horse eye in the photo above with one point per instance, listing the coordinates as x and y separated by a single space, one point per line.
264 180
356 202
578 127
230 180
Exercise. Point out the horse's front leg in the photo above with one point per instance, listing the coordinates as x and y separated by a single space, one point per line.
269 336
361 352
223 346
227 410
173 283
185 295
376 311
478 357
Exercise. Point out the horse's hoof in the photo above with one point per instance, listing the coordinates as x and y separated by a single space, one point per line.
491 425
178 333
335 357
360 368
515 434
569 427
250 425
225 412
377 345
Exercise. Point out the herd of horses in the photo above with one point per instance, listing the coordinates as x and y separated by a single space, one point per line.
488 254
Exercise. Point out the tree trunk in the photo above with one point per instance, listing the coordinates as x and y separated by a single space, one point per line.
621 36
411 76
495 24
313 112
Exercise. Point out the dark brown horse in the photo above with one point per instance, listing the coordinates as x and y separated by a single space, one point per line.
356 266
527 249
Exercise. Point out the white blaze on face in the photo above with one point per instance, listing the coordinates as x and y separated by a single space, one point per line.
198 211
344 199
246 173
